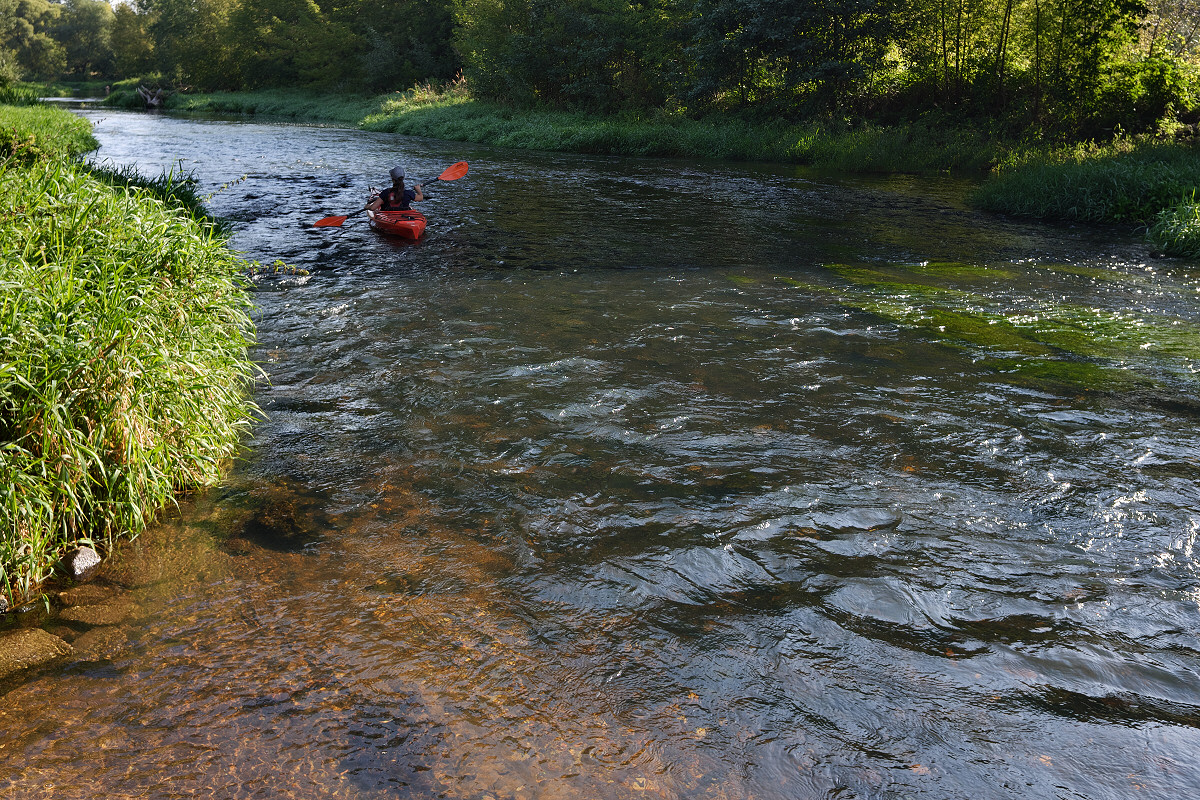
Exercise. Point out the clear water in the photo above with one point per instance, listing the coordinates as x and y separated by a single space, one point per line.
615 485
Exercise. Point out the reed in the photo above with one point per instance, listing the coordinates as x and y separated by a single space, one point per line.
124 377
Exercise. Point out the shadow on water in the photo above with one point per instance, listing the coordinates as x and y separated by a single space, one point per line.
616 485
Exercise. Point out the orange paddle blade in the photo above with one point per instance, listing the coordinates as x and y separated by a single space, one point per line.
330 222
454 172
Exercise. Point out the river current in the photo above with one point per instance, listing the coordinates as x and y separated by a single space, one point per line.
652 478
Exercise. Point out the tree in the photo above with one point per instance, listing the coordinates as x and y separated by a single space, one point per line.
403 41
595 54
818 51
25 36
133 51
277 43
84 29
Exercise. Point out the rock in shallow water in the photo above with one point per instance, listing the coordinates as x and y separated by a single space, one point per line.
88 595
29 648
100 644
82 564
108 613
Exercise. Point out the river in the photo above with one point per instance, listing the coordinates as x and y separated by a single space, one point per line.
651 478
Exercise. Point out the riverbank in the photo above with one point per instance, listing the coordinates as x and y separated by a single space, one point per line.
1151 185
125 368
1147 183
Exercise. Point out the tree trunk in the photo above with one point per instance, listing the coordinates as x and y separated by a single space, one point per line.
1002 52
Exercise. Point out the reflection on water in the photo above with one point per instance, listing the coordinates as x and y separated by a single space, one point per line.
612 487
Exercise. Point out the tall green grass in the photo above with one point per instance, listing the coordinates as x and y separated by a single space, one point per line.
451 113
124 377
827 144
18 95
293 104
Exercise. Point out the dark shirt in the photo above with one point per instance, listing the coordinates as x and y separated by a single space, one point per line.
388 196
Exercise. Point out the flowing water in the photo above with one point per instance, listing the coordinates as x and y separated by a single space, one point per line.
648 478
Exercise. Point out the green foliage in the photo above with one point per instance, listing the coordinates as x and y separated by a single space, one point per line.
1069 69
599 55
84 30
123 368
26 42
14 95
809 52
402 44
132 48
229 45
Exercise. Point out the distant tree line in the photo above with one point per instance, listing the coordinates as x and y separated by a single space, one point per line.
354 45
1076 63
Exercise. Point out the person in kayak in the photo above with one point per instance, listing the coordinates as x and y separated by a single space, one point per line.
396 198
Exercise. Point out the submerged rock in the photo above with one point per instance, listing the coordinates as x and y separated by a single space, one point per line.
108 613
28 648
100 644
88 595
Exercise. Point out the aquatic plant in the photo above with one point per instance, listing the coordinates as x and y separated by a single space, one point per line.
124 331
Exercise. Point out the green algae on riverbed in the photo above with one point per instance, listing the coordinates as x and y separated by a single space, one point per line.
1060 343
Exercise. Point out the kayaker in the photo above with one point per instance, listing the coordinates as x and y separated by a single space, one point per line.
396 198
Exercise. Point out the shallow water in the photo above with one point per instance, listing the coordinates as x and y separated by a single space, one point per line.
649 478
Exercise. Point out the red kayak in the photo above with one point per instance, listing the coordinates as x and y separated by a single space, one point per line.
409 224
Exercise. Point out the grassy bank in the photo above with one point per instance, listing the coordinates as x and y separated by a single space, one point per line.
1148 184
124 330
90 88
34 132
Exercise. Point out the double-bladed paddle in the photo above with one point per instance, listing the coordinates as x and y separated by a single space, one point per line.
451 173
